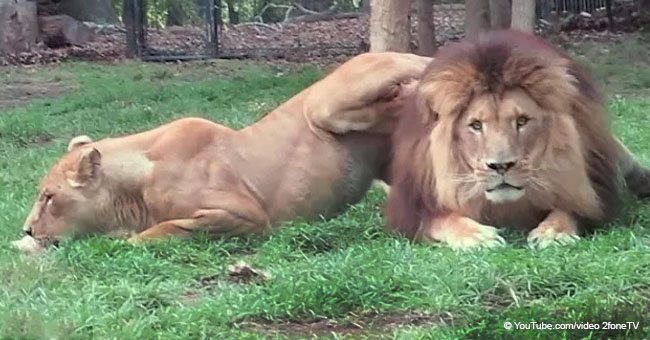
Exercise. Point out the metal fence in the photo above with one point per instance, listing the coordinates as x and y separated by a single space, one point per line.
575 6
197 40
207 36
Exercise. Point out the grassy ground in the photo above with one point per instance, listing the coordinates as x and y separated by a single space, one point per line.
343 277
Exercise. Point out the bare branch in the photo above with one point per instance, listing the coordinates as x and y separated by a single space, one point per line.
260 24
324 17
303 9
332 9
258 17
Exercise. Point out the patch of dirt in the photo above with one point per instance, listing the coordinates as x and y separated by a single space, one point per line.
241 272
39 139
189 297
18 92
244 273
352 326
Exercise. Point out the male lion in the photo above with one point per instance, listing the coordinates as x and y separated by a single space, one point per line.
506 130
313 155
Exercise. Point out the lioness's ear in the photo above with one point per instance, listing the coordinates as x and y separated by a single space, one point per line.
87 168
78 141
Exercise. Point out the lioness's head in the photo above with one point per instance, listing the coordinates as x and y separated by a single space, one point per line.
62 204
507 120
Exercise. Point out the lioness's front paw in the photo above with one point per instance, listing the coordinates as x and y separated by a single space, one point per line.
28 246
134 240
547 235
465 234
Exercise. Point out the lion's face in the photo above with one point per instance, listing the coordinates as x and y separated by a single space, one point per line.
502 141
68 197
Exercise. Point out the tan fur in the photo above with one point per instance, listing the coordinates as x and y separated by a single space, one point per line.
562 164
312 156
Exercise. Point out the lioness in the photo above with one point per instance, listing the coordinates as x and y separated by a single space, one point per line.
506 130
313 155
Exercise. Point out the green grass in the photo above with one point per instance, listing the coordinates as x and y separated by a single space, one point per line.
346 269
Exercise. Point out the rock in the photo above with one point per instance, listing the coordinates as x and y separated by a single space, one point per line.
61 30
18 26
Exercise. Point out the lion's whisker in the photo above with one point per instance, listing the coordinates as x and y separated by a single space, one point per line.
464 178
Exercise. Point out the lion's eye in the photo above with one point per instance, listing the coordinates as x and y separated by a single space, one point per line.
522 120
476 125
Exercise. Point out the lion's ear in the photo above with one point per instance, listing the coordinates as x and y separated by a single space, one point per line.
87 168
78 141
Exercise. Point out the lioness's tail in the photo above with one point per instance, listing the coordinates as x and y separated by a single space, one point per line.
636 176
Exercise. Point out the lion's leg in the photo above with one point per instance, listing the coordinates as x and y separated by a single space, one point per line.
557 228
237 217
460 233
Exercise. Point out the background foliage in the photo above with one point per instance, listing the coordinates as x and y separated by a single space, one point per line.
162 13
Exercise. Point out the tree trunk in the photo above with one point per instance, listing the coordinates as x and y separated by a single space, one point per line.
477 17
175 14
233 14
135 20
426 28
61 30
644 13
18 26
500 14
390 26
365 6
98 11
644 6
523 15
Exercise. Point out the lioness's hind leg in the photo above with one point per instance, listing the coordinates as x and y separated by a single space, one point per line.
461 233
558 228
177 228
233 219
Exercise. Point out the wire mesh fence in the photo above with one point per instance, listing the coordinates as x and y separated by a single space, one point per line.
281 29
208 31
193 34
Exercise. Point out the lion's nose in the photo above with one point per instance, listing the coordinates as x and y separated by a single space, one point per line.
29 232
500 168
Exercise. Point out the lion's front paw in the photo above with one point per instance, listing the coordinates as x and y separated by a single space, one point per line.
465 234
547 234
559 228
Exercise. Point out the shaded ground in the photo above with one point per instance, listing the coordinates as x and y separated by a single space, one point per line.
619 61
620 65
374 324
19 86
